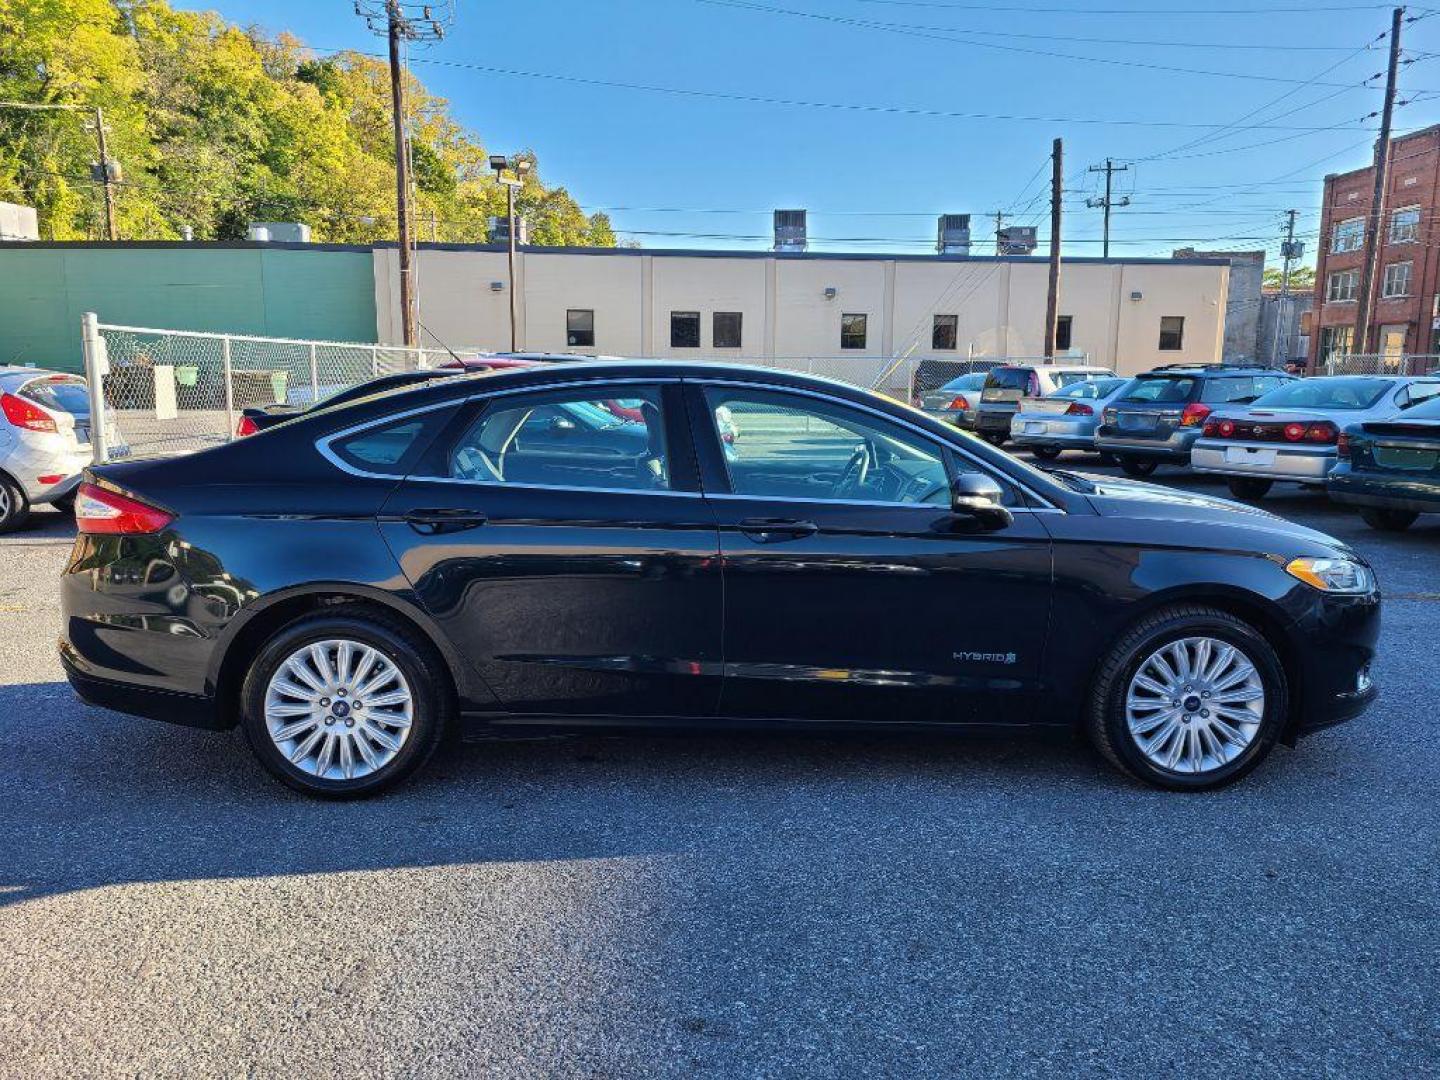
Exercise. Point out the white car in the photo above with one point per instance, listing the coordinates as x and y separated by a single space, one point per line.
44 440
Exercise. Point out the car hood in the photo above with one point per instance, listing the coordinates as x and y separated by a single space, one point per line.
1114 497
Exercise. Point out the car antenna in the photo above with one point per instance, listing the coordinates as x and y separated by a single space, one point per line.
447 348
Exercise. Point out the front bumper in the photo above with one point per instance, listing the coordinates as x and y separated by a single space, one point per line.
1174 447
1334 647
1267 461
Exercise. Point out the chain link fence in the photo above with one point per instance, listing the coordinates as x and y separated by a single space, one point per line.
1381 364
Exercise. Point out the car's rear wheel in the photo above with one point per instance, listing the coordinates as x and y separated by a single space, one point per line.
14 506
1387 520
996 438
1249 489
1046 453
344 703
1107 458
1190 698
1132 466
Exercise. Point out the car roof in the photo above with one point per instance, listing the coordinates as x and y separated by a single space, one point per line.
1213 370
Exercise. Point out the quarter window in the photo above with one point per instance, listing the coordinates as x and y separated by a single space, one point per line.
1342 285
852 331
684 329
384 448
944 333
1348 235
565 438
1397 279
725 329
1405 225
580 327
1172 332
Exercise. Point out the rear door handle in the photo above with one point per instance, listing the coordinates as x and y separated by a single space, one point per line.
776 530
429 522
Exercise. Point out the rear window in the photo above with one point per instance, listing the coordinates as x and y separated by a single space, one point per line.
1009 379
1428 411
63 394
973 381
1338 393
1161 389
1232 388
1089 390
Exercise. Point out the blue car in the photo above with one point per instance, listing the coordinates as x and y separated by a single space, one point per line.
1390 469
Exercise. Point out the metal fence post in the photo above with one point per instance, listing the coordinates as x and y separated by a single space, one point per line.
374 361
97 366
229 388
314 376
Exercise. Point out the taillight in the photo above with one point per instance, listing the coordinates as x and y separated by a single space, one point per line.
246 427
959 402
1322 431
1210 430
1342 446
1194 414
25 414
1226 428
1079 408
101 511
1294 432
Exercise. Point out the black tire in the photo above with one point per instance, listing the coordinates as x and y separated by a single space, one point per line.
1137 467
1249 489
417 661
1387 520
996 438
65 504
14 506
1106 721
1046 453
1107 458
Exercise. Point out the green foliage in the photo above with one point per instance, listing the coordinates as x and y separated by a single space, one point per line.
1302 278
215 126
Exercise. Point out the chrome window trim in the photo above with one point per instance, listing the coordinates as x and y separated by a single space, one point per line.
322 444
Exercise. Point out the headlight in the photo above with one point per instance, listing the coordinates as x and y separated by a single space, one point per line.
1332 575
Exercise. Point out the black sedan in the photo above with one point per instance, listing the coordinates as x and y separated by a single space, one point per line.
1390 469
348 586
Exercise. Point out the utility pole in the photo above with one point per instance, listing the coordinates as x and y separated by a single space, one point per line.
501 164
999 227
1052 298
102 174
1289 251
1109 169
1365 310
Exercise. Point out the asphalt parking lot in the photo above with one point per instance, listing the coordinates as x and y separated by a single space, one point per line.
699 905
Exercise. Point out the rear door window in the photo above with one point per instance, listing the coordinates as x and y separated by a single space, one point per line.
1160 390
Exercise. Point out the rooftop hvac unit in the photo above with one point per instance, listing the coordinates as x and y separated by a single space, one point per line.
18 222
1015 240
790 230
500 230
280 232
954 234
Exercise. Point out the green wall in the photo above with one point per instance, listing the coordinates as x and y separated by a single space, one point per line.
268 290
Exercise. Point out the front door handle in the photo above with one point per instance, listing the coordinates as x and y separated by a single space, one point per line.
429 522
775 530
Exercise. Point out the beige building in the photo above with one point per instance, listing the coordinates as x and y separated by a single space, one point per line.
1129 314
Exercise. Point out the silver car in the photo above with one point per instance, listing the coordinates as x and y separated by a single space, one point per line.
44 440
1066 419
956 401
1292 433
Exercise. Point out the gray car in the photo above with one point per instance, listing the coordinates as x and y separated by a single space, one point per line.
1066 419
44 440
957 401
1292 433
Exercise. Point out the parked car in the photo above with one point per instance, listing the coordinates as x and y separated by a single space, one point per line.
347 586
957 401
44 440
1064 420
1158 418
1291 432
1008 385
254 418
1390 469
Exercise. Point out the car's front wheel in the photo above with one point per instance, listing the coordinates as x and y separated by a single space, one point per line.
1189 698
1046 453
344 703
1137 467
996 438
1387 520
1249 489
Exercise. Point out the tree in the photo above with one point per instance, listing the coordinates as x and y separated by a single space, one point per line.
1302 279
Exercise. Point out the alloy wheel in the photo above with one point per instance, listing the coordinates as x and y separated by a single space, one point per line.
1195 705
339 709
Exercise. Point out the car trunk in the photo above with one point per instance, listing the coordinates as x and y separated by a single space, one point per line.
1399 447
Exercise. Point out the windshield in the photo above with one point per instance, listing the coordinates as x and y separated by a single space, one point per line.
1172 389
1341 392
1091 390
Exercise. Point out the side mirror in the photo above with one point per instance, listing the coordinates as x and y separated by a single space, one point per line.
977 496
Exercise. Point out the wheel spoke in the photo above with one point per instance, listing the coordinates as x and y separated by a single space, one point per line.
343 654
298 667
1181 656
320 657
347 757
1240 696
289 708
384 738
289 731
1224 657
1144 681
1144 725
302 750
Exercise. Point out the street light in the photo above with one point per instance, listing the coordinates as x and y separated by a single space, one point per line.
500 164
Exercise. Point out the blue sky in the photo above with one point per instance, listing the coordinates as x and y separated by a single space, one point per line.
690 170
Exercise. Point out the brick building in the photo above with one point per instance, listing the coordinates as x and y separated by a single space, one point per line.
1408 273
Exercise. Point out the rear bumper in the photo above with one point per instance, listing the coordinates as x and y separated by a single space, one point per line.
1174 447
1068 434
1359 489
188 710
1307 465
960 418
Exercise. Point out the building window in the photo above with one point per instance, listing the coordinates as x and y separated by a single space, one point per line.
852 331
1335 341
1062 331
684 329
1349 235
1172 333
1405 225
725 329
1342 285
1397 279
945 331
580 327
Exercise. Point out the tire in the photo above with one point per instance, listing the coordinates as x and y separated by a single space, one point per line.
1248 489
14 506
1387 520
421 675
1046 453
1221 761
1137 467
996 438
65 504
1107 458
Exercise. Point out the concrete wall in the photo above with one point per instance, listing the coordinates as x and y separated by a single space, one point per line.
1280 338
1000 303
304 291
1242 311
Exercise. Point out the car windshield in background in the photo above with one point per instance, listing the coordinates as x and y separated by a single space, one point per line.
1162 389
1090 390
62 394
1357 392
1070 378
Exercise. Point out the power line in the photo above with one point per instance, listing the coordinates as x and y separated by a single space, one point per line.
1263 10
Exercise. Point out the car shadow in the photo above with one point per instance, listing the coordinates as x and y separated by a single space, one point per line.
93 798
